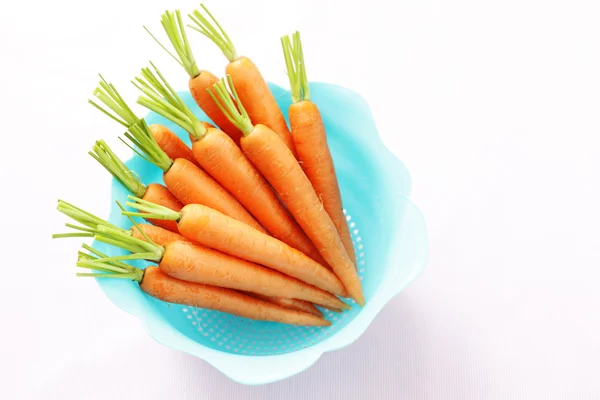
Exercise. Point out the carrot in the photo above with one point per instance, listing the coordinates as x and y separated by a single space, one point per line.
200 80
108 95
159 285
195 263
221 158
186 181
253 90
165 138
211 228
154 192
292 304
308 132
278 165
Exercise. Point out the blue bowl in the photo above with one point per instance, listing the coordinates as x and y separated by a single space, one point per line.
388 231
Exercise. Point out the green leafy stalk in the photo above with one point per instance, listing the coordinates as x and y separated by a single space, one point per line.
137 127
140 249
83 217
102 153
232 108
110 97
109 270
161 98
173 25
94 255
294 61
150 210
213 31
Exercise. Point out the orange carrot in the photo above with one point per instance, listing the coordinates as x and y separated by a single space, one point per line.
170 143
154 192
253 90
308 132
171 290
195 263
278 165
292 304
211 228
200 80
156 234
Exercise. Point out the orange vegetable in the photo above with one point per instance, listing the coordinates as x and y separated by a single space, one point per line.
252 88
308 132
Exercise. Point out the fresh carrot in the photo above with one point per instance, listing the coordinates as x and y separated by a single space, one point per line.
88 222
154 192
171 144
278 165
185 180
195 263
308 132
221 158
159 285
200 80
253 90
211 228
292 304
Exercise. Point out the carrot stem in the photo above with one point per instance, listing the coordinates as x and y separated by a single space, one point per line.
102 153
135 274
150 210
173 25
141 137
140 248
213 31
233 109
83 217
71 235
161 98
294 61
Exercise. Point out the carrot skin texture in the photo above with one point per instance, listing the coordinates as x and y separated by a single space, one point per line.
170 143
163 287
278 165
159 194
292 304
257 99
191 185
221 158
213 229
194 263
158 235
310 138
198 88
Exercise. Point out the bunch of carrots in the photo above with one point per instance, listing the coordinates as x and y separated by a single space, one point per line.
249 220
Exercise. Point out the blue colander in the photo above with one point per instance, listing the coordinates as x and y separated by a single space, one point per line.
389 236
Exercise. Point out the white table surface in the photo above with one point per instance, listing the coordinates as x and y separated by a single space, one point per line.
493 106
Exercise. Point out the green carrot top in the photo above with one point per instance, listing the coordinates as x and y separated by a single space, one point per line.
172 23
232 108
213 30
138 133
294 61
160 97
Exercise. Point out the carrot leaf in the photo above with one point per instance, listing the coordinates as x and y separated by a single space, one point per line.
232 108
150 210
108 270
160 97
102 153
175 30
213 30
294 61
146 146
140 248
83 217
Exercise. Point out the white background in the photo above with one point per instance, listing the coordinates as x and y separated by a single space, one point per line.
494 106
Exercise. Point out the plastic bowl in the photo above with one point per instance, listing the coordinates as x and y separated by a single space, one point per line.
389 234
